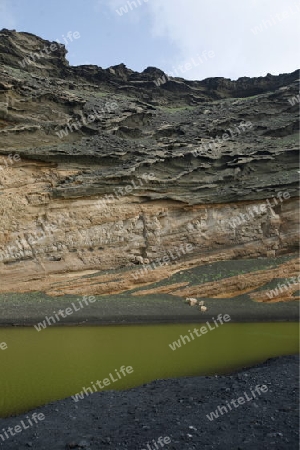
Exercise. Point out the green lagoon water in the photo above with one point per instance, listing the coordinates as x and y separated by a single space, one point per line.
38 367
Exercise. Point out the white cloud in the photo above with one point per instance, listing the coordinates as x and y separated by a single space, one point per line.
225 28
7 20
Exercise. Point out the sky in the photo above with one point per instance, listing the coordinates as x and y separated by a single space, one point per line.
193 39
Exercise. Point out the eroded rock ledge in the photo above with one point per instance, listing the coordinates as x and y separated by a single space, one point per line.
141 179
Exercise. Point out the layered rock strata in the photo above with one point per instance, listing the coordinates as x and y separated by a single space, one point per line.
102 169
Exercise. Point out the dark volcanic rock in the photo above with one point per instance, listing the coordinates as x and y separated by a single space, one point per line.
155 127
176 409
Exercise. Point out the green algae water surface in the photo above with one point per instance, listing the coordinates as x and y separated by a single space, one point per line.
38 367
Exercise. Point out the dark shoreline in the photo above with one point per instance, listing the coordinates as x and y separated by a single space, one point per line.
124 310
132 321
177 408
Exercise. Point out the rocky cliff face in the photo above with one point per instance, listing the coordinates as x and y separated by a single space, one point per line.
105 169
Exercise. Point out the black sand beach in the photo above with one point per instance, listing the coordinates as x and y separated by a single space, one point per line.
29 309
176 409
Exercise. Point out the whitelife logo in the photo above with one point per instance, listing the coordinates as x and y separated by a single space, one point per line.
275 19
106 382
11 159
65 312
164 260
236 403
203 330
108 108
161 441
123 191
47 50
294 100
132 5
181 69
24 425
273 293
3 346
258 210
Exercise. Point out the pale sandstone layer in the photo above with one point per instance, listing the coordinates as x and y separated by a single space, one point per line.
50 244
